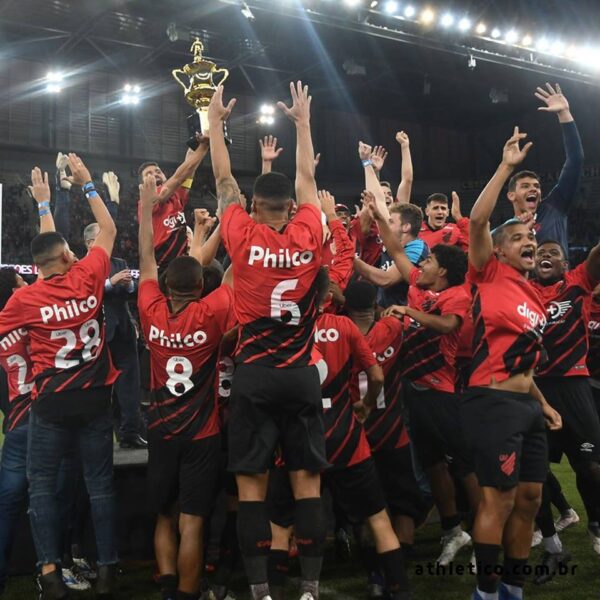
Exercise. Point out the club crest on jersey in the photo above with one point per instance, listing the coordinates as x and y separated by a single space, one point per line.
280 259
176 340
535 319
69 310
174 220
387 353
327 335
558 309
10 339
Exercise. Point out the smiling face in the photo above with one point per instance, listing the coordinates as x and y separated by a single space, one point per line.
526 196
516 246
430 272
437 214
550 263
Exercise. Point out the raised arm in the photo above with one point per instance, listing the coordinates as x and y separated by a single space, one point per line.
563 193
228 191
148 194
185 170
268 152
299 114
204 248
441 323
371 181
40 190
406 181
392 243
480 238
108 231
378 277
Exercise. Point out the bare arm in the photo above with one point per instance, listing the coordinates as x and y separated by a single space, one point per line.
204 248
551 416
406 180
108 231
376 276
185 170
148 194
480 238
441 323
299 113
228 191
374 384
268 152
371 181
40 190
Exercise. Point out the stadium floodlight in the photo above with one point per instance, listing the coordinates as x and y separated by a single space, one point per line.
266 120
527 40
543 44
352 3
481 28
391 6
267 109
54 81
410 11
464 24
447 20
131 94
427 16
511 36
496 33
374 3
245 10
557 48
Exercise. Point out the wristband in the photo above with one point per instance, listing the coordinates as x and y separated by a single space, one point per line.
91 194
44 204
44 212
367 162
88 186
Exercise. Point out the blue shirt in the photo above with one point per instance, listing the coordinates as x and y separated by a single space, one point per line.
417 251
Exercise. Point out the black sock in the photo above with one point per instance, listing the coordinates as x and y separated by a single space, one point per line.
254 533
544 518
588 490
186 596
310 536
451 522
408 550
487 560
513 571
168 586
230 550
556 494
392 563
279 566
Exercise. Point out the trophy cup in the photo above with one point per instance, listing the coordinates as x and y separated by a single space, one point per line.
199 90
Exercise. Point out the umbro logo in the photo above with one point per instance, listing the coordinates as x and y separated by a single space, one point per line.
508 463
586 447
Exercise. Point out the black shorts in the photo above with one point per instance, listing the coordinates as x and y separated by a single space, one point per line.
271 407
506 435
400 488
435 428
183 473
579 437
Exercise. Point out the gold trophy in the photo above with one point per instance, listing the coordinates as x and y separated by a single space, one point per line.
199 90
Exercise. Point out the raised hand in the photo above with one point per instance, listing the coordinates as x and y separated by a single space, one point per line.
61 161
364 151
512 154
217 111
39 188
327 202
148 193
299 112
455 209
402 139
80 174
368 199
553 98
203 220
378 157
122 277
268 148
111 181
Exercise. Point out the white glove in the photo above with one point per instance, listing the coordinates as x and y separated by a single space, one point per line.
111 181
61 161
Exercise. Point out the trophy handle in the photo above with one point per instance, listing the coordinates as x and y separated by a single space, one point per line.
224 72
176 73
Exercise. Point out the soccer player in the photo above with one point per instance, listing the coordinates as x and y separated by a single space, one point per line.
183 333
73 373
168 218
503 412
276 396
437 306
524 187
563 380
436 229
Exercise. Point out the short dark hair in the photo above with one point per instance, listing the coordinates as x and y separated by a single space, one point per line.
8 282
437 197
44 247
145 165
386 184
184 275
212 277
360 295
275 189
454 260
499 233
409 214
512 184
562 249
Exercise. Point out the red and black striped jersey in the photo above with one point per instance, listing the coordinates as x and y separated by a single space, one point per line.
275 295
169 226
342 263
593 359
384 426
429 357
370 246
65 320
14 359
343 351
184 349
566 336
508 320
452 234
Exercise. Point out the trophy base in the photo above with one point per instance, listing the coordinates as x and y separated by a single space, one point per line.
195 125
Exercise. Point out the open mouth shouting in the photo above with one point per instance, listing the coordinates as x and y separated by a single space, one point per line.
545 266
532 200
527 254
